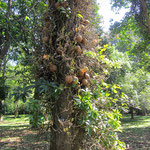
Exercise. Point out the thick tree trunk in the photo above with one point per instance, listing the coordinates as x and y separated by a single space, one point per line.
64 41
64 135
60 131
146 15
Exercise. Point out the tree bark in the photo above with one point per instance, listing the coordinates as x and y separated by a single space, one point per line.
131 112
1 110
63 133
146 15
60 38
16 110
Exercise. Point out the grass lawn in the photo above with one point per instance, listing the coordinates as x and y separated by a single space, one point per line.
136 132
16 134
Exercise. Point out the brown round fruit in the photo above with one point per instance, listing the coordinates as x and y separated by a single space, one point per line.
53 68
78 49
45 57
84 82
57 5
84 41
76 29
83 28
68 79
45 39
87 76
80 73
79 38
94 41
85 69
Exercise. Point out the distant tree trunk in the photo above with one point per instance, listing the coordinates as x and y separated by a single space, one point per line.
35 114
1 111
145 112
3 88
16 110
131 112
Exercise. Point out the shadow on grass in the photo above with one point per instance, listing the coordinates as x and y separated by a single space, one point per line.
136 138
136 132
22 137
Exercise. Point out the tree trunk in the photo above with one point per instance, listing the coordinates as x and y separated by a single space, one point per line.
16 110
35 114
63 44
131 112
146 15
64 135
1 111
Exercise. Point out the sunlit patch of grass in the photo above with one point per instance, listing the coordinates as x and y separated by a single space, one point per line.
9 122
21 119
136 132
137 122
10 139
16 133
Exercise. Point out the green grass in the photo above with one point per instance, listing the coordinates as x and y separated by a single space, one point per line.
9 122
136 132
16 133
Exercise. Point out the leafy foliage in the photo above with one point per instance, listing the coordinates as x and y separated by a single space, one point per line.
101 118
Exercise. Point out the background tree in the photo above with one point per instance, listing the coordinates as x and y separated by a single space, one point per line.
139 9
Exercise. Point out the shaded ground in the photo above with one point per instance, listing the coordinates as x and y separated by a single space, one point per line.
16 134
136 132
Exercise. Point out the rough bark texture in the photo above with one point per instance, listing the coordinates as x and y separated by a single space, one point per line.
63 23
60 130
146 15
65 134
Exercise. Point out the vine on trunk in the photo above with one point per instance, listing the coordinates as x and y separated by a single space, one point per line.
66 60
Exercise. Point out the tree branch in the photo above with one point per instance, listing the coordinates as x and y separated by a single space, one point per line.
145 11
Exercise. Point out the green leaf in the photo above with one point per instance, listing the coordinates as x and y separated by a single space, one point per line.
79 16
27 18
